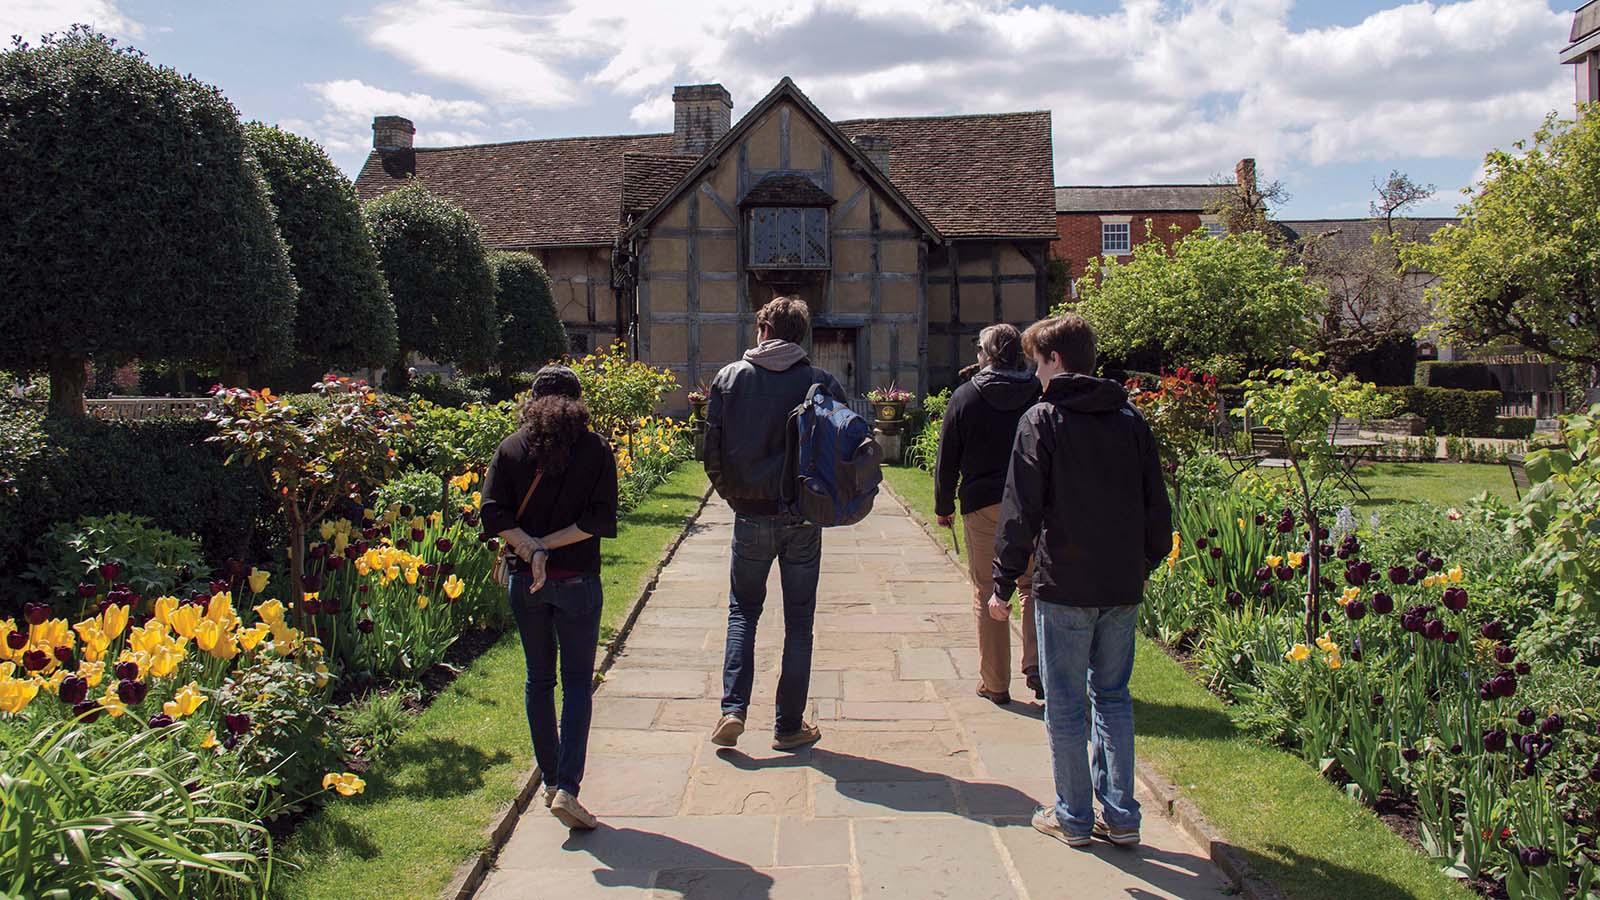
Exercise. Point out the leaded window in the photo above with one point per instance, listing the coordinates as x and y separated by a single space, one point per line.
788 237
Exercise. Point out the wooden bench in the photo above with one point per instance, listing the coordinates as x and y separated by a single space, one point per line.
1519 474
1270 448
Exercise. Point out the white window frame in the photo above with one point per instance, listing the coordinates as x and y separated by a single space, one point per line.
1125 224
1214 226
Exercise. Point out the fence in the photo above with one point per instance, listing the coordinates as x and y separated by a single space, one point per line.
132 409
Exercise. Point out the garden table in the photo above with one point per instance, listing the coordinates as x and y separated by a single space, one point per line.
1350 452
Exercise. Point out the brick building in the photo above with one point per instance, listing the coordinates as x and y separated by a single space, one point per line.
905 236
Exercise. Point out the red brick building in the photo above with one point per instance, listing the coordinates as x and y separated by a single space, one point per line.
1099 220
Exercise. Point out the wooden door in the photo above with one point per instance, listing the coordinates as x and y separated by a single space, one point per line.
834 349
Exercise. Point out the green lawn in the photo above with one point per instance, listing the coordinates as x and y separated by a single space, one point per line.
1444 484
1297 829
430 796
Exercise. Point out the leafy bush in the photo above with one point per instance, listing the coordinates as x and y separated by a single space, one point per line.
181 259
923 451
417 489
1515 427
1558 515
1466 376
448 440
344 317
1451 410
620 391
499 387
288 732
441 391
153 561
531 333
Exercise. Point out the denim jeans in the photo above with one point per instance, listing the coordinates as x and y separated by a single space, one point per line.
561 620
797 546
1089 648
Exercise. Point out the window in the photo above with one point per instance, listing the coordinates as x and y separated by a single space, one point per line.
1216 229
1115 238
789 237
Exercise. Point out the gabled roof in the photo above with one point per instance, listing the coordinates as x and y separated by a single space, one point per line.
1585 35
543 193
1346 235
786 90
986 175
1193 198
647 177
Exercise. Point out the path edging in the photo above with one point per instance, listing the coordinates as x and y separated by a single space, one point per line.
470 874
1227 858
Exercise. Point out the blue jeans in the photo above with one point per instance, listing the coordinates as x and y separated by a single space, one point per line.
563 617
797 546
1089 648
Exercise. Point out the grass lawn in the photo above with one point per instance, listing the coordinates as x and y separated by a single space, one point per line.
1299 831
1443 484
432 794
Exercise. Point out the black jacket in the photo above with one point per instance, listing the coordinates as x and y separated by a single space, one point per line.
585 495
975 439
746 414
1085 497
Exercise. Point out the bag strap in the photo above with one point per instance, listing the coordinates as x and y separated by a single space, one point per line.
538 476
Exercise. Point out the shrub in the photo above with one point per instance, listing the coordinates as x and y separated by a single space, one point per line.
620 391
153 561
923 451
136 223
531 333
499 387
437 389
1558 515
1515 427
1451 410
1466 376
288 733
418 489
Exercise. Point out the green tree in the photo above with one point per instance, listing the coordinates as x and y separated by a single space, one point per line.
439 275
1221 305
345 318
136 223
531 333
1522 264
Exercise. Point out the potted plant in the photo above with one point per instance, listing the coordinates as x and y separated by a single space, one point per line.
697 403
889 407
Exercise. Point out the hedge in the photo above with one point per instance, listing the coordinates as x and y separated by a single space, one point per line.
1517 427
1449 410
1466 376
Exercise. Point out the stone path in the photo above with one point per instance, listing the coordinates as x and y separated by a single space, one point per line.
919 788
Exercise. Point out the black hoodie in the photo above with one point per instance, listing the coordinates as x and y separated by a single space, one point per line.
1085 497
975 439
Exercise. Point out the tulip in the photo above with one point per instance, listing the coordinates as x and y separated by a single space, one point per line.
1451 637
1523 669
1494 741
1266 589
1263 573
365 626
35 613
1423 556
347 784
1504 655
319 551
1455 599
1526 717
73 690
1399 574
16 640
1355 610
1298 653
1216 552
1552 724
1377 699
1493 631
334 563
1235 600
86 711
446 568
160 720
1410 754
311 583
87 590
110 570
1201 543
258 580
127 670
132 692
1433 630
1504 684
1435 564
418 534
428 570
1533 857
237 723
1260 519
1455 749
1284 573
35 660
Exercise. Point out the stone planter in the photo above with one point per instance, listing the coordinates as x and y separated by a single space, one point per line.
889 415
697 412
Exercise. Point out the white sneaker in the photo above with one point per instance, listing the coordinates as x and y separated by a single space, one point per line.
571 813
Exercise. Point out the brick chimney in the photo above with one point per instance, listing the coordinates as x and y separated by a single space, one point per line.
392 133
1244 174
701 115
876 147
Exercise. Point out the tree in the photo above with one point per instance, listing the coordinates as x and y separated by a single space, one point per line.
1248 207
1522 264
135 222
1220 305
531 333
345 318
439 275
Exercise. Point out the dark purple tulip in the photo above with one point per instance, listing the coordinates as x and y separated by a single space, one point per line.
199 598
1399 574
334 563
447 569
109 571
73 690
494 545
1211 532
330 607
1382 603
418 534
1235 600
406 510
365 626
352 551
1493 631
1355 610
319 550
1216 552
403 544
313 607
1433 630
1284 527
1210 582
369 533
1530 767
1355 651
1201 543
1263 573
1526 717
311 583
1505 684
362 587
1452 636
1534 857
1435 564
1265 589
1504 655
1552 724
218 586
16 640
1455 599
63 654
1594 774
237 723
428 570
1418 572
160 720
132 692
1285 573
1410 754
1261 519
443 545
35 613
1495 741
87 590
1422 556
35 660
127 670
86 711
1322 532
1523 669
1377 699
1485 691
1455 749
1528 744
1343 553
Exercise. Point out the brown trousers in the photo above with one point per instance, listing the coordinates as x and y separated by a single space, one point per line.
994 637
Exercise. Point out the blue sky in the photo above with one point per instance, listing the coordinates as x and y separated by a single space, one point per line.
1327 95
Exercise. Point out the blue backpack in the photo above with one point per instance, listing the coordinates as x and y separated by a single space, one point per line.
831 464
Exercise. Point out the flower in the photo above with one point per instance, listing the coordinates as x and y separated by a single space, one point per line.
250 637
15 693
185 702
236 723
210 740
1296 559
1298 653
111 703
270 611
348 784
258 580
1350 593
453 587
164 609
185 619
422 601
1274 561
1455 574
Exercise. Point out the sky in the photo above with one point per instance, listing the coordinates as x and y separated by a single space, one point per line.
1328 95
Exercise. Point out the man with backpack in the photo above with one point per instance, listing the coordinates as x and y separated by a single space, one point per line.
747 458
1085 498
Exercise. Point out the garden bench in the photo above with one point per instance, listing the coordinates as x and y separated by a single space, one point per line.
1270 448
1519 473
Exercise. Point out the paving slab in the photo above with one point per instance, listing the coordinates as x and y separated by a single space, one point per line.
918 789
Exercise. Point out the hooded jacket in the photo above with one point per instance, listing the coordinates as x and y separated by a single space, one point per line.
747 411
1085 496
975 439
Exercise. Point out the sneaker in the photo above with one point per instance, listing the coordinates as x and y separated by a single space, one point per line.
998 698
1122 837
805 737
728 729
549 795
571 813
1034 684
1045 822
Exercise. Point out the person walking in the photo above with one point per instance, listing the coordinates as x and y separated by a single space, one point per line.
974 453
747 413
1084 496
551 495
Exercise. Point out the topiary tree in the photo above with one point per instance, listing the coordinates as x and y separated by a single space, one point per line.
1220 305
531 333
345 318
135 223
439 275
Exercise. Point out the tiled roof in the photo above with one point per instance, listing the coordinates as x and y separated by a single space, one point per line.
1585 21
1138 198
647 177
984 175
545 193
1346 235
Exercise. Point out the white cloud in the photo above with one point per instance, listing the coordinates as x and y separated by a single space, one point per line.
345 127
33 18
1155 90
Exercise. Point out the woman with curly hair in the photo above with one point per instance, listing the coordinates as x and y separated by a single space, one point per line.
551 495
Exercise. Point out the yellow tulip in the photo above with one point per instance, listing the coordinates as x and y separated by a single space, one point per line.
418 522
1274 561
226 648
148 637
1430 580
1333 659
1298 653
1350 593
1327 645
348 784
411 574
164 609
422 601
435 518
340 542
111 704
92 672
1456 574
185 619
51 634
322 674
7 626
114 620
326 530
210 740
220 610
206 634
164 661
270 611
258 580
184 702
362 568
453 587
16 694
390 573
250 637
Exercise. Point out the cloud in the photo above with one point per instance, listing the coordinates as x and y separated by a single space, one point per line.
1153 90
345 127
34 18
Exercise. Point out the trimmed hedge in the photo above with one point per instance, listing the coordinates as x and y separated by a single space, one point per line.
1449 410
1466 376
1516 427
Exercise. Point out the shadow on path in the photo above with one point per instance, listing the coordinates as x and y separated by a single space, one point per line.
643 859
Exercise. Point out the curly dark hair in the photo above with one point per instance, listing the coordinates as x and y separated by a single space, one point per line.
552 425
